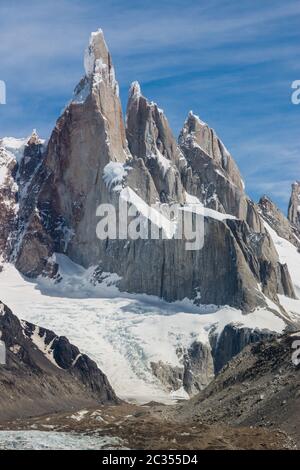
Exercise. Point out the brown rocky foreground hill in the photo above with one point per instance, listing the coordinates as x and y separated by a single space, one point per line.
252 404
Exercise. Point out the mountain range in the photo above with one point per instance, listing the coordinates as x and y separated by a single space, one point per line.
50 190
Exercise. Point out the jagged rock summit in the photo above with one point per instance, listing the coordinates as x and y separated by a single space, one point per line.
150 138
294 205
212 174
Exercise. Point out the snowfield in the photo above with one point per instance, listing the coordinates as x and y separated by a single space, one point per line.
122 332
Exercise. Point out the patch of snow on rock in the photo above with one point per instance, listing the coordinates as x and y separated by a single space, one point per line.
114 174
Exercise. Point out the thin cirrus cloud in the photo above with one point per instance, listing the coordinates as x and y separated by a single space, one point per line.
231 62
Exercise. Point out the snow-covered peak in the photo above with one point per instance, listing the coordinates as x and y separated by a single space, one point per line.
135 93
97 45
97 36
14 146
35 134
192 129
34 139
97 63
11 154
135 90
194 118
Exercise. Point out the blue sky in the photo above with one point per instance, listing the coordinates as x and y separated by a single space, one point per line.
231 62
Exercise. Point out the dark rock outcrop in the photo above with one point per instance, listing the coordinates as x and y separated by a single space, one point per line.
45 373
198 368
232 340
294 205
32 158
170 376
195 372
8 200
17 203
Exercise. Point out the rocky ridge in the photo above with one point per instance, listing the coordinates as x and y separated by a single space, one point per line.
44 373
259 387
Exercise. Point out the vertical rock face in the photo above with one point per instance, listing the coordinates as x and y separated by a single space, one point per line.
197 134
219 272
150 138
212 175
19 160
277 221
89 135
198 368
22 224
212 166
232 341
294 205
195 372
32 158
100 81
8 200
262 258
